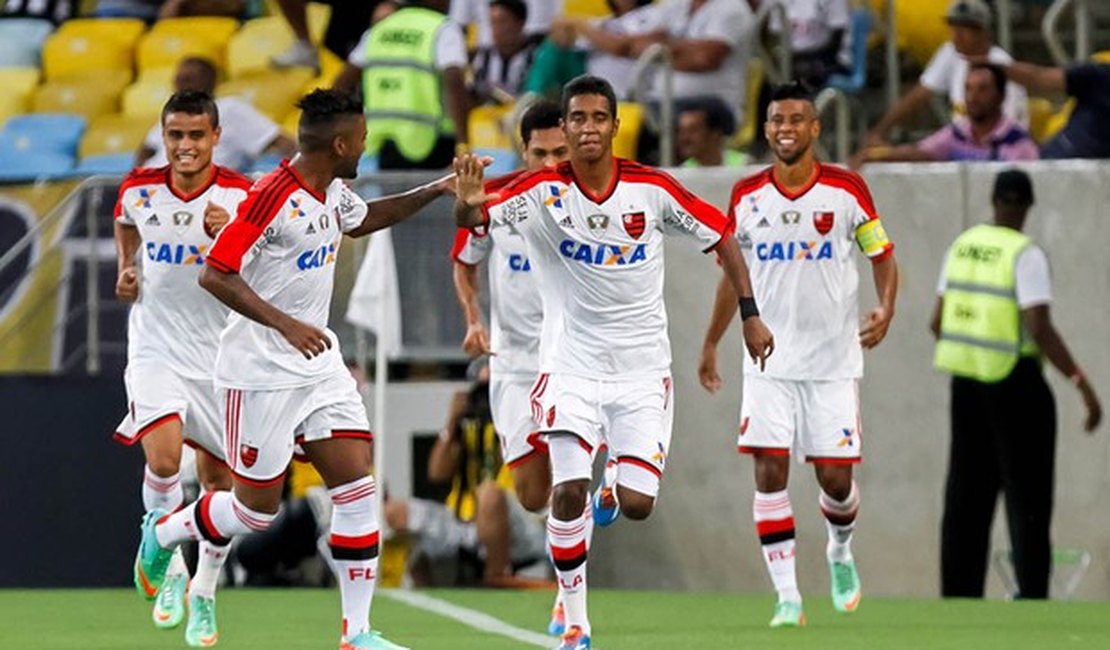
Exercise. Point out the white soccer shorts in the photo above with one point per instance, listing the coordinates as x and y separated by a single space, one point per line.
262 427
510 402
156 394
632 417
820 420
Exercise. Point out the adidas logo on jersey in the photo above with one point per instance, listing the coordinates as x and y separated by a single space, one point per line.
152 220
763 223
566 222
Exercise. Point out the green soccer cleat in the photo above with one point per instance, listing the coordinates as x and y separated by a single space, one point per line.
169 606
845 586
201 631
788 614
371 640
151 560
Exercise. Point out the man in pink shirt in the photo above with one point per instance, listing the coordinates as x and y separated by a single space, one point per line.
985 133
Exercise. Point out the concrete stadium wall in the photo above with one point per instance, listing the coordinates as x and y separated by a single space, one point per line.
702 537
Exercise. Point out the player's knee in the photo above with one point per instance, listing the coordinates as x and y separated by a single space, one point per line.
835 480
164 465
533 489
771 472
568 499
492 501
635 505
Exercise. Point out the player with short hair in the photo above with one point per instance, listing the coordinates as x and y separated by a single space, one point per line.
798 222
165 220
280 375
594 227
516 318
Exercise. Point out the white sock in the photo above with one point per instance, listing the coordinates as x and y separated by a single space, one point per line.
177 565
210 561
161 492
774 522
216 517
840 520
569 549
354 548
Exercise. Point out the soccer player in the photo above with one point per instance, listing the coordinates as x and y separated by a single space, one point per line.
167 217
516 317
797 222
594 228
280 375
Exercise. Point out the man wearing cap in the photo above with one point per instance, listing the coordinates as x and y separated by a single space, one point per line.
946 74
992 325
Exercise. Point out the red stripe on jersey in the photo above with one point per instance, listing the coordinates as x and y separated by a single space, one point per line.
794 196
704 212
495 184
189 196
292 171
140 176
618 169
746 186
256 212
226 177
852 183
462 238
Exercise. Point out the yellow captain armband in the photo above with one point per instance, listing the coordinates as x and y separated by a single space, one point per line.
872 239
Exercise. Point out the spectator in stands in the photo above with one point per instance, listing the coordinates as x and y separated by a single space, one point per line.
245 133
151 10
703 131
1087 133
56 11
415 96
501 68
970 22
476 14
348 20
993 328
481 522
819 37
984 133
579 46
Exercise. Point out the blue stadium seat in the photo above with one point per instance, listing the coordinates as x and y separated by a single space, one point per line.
21 41
853 82
34 166
108 163
504 160
41 133
264 164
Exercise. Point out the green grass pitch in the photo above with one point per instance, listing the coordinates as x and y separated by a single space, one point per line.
112 619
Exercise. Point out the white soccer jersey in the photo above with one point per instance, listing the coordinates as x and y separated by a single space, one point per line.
175 322
284 244
516 309
599 263
799 250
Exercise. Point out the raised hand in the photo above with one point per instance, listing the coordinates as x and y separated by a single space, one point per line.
215 218
127 285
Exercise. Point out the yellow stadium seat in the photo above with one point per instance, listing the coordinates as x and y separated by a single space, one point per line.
249 51
212 28
72 54
125 31
163 75
1101 57
273 93
486 130
166 49
330 64
291 121
920 24
90 99
1056 122
18 83
144 100
586 8
113 134
750 129
631 115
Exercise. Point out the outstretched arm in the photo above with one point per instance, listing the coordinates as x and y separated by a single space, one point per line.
470 191
388 210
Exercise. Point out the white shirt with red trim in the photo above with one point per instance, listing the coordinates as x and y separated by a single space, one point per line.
516 309
598 262
800 251
175 322
284 244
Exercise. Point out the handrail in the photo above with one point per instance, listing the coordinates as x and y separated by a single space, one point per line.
839 101
890 51
659 53
784 70
1005 24
1049 30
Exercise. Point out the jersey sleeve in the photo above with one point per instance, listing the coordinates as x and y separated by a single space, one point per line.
518 203
120 212
253 228
867 228
686 214
352 209
470 248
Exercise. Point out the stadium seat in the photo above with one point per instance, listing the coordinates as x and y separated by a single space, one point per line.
853 82
18 83
626 144
250 49
115 164
43 133
211 28
34 166
143 100
165 49
73 54
486 130
504 160
272 93
113 134
21 41
125 31
290 121
748 131
90 98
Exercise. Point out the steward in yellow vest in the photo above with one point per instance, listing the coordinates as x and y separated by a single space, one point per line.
992 324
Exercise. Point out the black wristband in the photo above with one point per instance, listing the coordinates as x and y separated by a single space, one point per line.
748 308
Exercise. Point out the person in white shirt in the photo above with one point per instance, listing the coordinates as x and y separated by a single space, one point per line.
476 13
247 133
166 218
281 378
798 223
819 37
946 74
594 227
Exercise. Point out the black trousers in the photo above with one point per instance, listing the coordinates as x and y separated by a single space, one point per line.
441 156
1003 438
